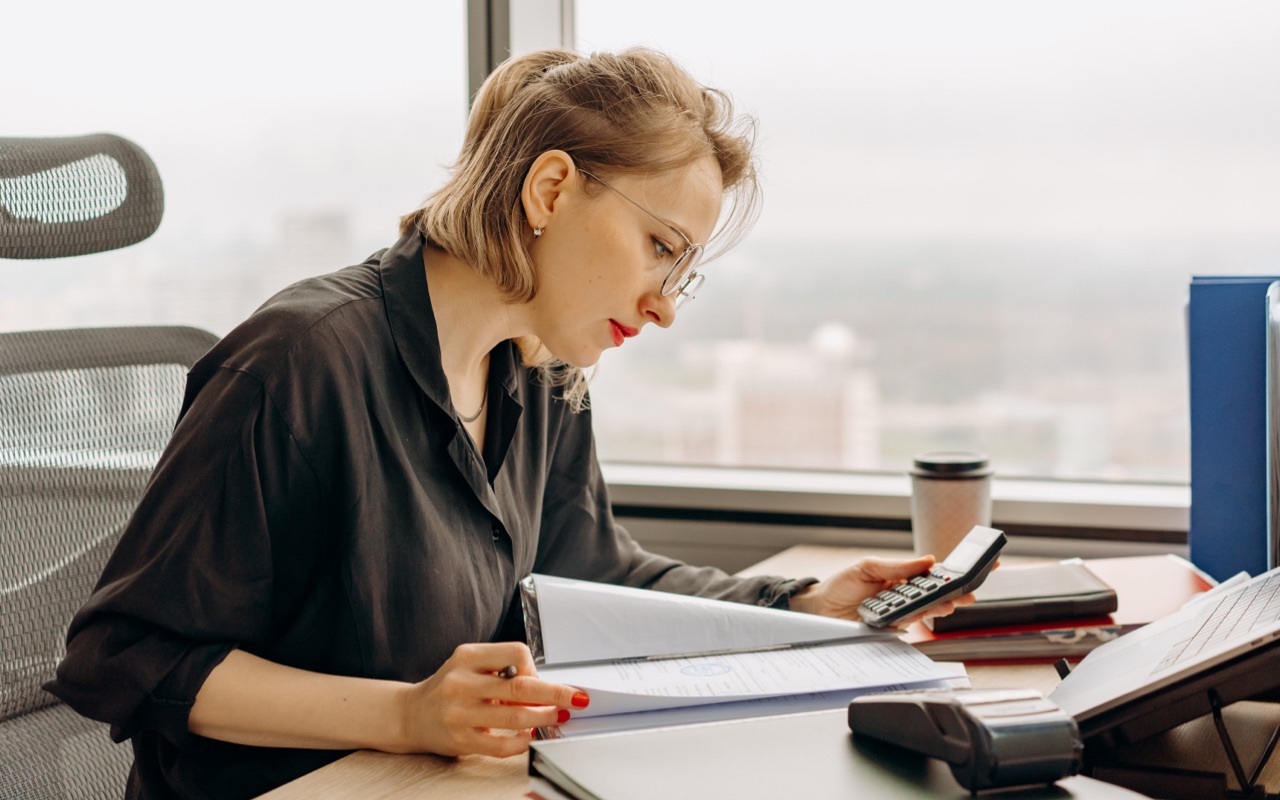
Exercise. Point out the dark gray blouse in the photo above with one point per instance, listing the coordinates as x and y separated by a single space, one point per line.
321 506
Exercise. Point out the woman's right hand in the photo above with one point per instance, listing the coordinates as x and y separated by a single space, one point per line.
467 707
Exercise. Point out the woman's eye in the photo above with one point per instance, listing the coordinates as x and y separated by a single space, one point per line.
661 249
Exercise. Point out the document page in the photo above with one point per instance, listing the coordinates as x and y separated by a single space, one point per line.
638 685
583 621
742 709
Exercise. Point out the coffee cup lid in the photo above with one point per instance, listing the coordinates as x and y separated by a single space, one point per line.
951 463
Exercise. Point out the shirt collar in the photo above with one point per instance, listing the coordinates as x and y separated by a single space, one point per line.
413 324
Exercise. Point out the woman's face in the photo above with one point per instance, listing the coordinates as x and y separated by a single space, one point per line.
601 260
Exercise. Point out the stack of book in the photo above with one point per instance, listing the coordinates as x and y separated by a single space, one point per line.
1044 612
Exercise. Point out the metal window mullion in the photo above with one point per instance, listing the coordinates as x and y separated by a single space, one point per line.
488 40
489 36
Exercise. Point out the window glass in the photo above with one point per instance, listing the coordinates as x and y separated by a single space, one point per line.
980 221
289 137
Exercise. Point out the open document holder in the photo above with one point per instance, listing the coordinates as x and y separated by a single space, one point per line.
1254 675
654 659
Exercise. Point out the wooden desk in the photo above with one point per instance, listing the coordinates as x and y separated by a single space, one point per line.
372 774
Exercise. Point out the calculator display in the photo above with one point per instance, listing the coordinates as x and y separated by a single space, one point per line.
964 556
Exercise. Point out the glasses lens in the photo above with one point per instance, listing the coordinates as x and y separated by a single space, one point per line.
689 289
681 270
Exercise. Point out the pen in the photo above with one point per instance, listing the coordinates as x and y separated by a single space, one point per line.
546 732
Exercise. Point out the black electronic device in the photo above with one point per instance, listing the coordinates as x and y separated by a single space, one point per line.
962 571
993 738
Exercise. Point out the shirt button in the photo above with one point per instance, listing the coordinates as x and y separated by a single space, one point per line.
497 531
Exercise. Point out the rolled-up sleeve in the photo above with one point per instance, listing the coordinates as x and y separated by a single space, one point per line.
579 537
194 574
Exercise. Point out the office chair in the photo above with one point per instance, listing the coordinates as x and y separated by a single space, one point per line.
75 195
84 415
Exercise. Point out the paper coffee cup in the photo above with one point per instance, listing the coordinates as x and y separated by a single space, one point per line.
950 493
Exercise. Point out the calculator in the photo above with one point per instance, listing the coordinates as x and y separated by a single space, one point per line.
962 571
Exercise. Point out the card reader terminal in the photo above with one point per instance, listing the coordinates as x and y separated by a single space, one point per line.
992 738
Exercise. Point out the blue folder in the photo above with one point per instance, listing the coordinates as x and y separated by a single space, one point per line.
1226 339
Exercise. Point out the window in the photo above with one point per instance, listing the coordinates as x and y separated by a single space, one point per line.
289 137
980 221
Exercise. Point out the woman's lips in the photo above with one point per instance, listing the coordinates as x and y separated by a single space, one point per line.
621 332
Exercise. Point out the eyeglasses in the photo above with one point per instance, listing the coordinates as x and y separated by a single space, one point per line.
683 279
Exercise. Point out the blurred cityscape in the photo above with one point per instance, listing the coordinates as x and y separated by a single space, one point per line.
1058 358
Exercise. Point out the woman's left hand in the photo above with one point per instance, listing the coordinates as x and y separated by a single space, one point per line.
841 594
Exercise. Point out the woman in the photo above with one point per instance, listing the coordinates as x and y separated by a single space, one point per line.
327 554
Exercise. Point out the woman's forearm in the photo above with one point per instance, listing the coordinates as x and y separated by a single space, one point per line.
249 700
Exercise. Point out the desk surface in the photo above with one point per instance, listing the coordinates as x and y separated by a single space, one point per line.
372 774
1194 745
367 773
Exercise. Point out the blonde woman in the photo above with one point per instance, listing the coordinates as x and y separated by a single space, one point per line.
327 555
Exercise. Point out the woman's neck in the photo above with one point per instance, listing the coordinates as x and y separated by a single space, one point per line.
471 317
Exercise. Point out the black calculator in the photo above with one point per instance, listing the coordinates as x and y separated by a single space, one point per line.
963 571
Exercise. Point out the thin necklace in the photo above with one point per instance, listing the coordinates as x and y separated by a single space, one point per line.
476 415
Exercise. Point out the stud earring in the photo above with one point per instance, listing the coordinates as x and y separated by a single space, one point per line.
537 232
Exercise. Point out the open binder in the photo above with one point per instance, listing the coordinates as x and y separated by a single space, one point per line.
651 659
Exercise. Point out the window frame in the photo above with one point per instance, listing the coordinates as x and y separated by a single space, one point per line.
1042 516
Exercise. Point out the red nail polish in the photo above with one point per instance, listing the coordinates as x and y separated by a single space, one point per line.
579 700
562 716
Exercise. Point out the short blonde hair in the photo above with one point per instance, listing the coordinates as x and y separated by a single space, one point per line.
631 112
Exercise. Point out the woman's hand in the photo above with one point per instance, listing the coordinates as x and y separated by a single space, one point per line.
841 594
468 707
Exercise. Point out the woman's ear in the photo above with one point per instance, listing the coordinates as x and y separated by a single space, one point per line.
547 179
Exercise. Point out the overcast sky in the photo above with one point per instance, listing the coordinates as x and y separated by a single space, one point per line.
877 119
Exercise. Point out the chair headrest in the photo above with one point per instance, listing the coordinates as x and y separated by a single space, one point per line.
75 195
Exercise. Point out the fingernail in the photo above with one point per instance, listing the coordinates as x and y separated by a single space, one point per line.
562 716
579 700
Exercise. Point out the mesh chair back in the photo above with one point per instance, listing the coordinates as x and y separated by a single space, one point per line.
75 195
84 416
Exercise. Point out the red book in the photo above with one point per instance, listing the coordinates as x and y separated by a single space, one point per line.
1147 588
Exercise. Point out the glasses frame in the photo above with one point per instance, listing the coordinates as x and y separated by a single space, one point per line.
687 280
